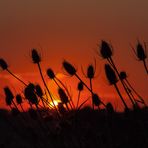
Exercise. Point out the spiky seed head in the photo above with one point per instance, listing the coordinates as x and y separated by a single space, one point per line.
39 90
110 108
96 100
70 69
123 75
63 96
105 50
50 73
35 56
80 86
90 72
110 74
33 114
140 52
9 95
30 95
19 99
3 64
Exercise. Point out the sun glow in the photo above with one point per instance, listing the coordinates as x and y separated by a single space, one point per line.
55 102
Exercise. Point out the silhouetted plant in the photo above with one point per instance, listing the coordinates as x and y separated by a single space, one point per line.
90 75
30 95
96 100
123 76
112 78
80 88
106 52
70 69
4 66
52 76
140 53
37 59
19 101
110 108
63 97
40 93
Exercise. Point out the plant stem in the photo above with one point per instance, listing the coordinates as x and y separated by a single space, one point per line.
16 77
145 66
117 89
47 88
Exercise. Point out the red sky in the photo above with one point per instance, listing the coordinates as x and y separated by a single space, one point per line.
71 29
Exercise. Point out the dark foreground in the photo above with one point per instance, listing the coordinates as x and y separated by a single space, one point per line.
86 129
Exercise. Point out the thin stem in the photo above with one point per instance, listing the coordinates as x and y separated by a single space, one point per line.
66 90
78 99
120 79
135 91
91 93
88 88
47 88
145 66
117 89
16 77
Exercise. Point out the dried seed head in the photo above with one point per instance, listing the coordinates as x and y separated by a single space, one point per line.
3 64
140 52
110 74
123 75
110 108
80 86
35 56
105 50
19 99
70 69
9 95
90 72
63 96
96 100
50 73
30 95
39 90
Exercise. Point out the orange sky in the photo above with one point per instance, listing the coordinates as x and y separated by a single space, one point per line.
71 29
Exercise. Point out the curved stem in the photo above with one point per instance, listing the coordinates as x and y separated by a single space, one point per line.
47 88
117 89
91 93
88 88
121 80
78 99
16 77
66 90
145 66
135 91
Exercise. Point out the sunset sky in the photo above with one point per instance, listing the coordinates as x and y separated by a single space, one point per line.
71 29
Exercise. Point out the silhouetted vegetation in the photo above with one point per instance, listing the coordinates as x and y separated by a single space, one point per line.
62 123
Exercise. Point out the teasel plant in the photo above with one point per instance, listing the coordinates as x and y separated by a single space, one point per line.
124 76
112 79
106 52
60 84
4 66
80 89
90 74
140 53
9 97
63 97
36 58
19 101
71 70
